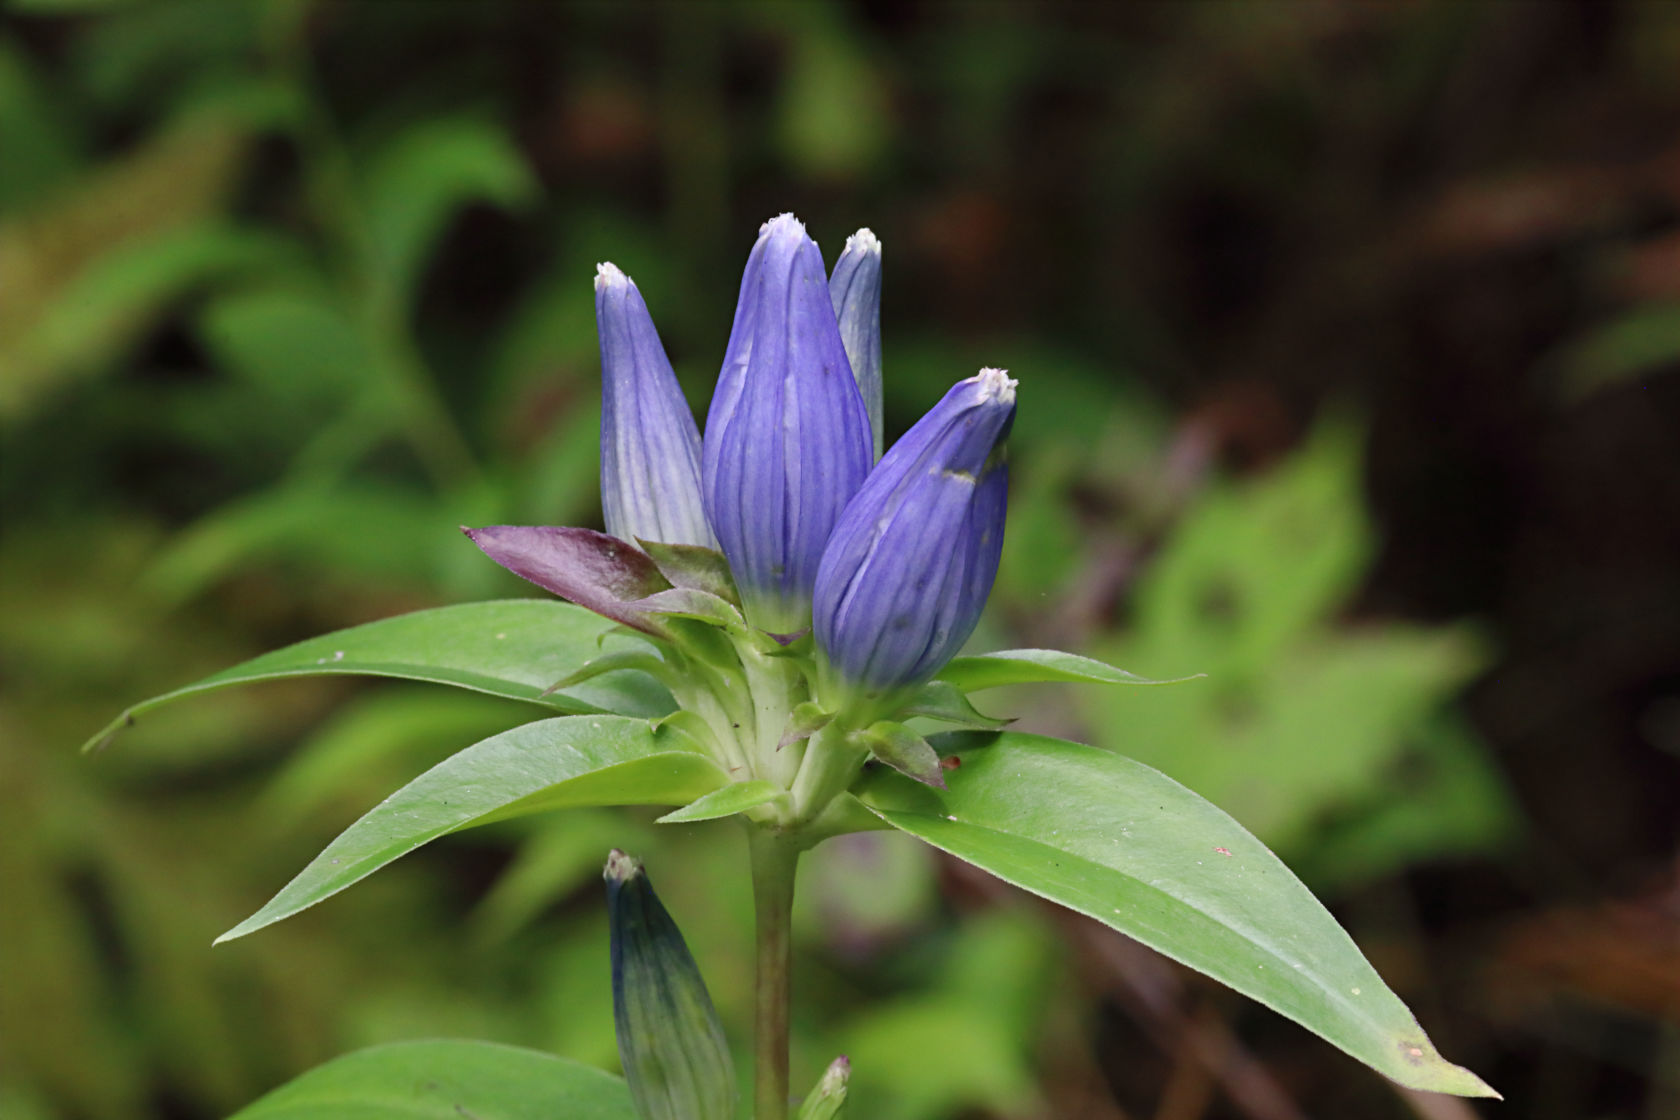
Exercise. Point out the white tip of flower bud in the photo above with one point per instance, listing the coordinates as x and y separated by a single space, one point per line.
996 384
621 867
864 241
607 274
783 224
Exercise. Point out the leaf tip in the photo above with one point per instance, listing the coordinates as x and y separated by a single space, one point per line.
103 737
248 926
1432 1073
1474 1086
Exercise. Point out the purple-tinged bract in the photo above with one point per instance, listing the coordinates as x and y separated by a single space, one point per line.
912 560
855 288
787 438
650 447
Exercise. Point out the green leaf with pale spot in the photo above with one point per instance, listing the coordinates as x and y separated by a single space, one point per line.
563 763
513 647
446 1079
1135 850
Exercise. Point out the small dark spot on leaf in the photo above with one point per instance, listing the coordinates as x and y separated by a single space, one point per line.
950 762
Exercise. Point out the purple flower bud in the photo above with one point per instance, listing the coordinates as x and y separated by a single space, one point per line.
787 438
912 560
650 447
855 288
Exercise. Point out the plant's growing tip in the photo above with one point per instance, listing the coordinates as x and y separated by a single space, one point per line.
828 1100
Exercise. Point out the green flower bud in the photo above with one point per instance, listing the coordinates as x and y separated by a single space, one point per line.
828 1100
676 1060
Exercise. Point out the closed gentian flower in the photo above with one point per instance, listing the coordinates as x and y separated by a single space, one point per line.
650 447
912 560
855 288
676 1060
787 438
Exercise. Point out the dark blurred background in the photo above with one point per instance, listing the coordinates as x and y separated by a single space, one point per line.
1346 335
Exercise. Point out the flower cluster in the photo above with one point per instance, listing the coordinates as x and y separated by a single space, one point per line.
841 584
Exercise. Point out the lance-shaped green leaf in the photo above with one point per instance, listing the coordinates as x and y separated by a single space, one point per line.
446 1079
903 750
512 647
676 1060
562 763
1135 850
736 797
828 1100
1034 666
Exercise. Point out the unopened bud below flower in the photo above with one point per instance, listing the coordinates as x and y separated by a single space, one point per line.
675 1058
650 447
912 560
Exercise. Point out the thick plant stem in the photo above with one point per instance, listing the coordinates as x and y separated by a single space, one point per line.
775 858
830 765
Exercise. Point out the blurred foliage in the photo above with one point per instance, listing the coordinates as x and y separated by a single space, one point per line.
1334 743
289 290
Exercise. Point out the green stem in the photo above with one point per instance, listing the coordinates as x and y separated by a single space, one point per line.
829 767
775 859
